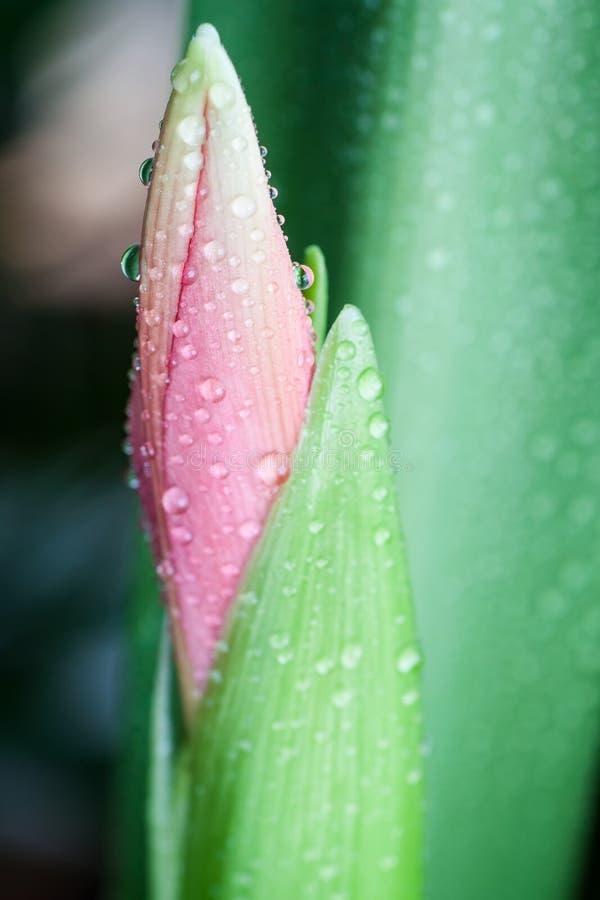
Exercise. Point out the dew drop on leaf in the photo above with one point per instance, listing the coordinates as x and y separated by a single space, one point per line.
379 425
370 384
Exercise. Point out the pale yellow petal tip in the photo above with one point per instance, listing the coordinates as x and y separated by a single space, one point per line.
207 35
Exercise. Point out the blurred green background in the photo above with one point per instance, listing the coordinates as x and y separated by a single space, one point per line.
445 156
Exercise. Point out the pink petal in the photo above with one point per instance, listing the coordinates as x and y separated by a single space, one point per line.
225 348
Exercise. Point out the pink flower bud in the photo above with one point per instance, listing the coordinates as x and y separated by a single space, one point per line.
226 356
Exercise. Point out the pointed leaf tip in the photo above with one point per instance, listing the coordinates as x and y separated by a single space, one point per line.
307 761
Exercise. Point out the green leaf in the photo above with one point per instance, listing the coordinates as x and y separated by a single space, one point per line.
169 784
318 293
307 760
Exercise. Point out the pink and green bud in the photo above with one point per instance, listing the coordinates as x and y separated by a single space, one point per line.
225 351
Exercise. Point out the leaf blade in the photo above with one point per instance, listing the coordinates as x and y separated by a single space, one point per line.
307 760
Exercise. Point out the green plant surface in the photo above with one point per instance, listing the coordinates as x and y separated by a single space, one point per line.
169 783
307 760
444 156
318 293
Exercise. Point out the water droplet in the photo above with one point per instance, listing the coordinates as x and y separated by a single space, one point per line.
273 192
409 660
188 352
273 468
175 500
218 470
180 329
257 235
370 384
243 207
189 275
414 776
202 415
249 530
239 144
130 263
410 698
323 666
280 219
380 493
181 535
346 350
145 171
279 641
230 570
258 256
213 251
315 527
240 286
263 151
379 425
342 699
360 327
221 95
179 78
381 536
351 656
272 287
191 130
303 276
193 163
212 389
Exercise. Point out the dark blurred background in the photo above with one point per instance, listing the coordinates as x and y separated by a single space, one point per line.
82 89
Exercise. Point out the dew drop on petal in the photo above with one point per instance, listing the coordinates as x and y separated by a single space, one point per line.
189 275
181 535
243 206
249 529
145 171
130 263
218 470
213 251
221 95
303 276
202 415
240 286
175 500
212 389
272 468
188 352
191 130
180 329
